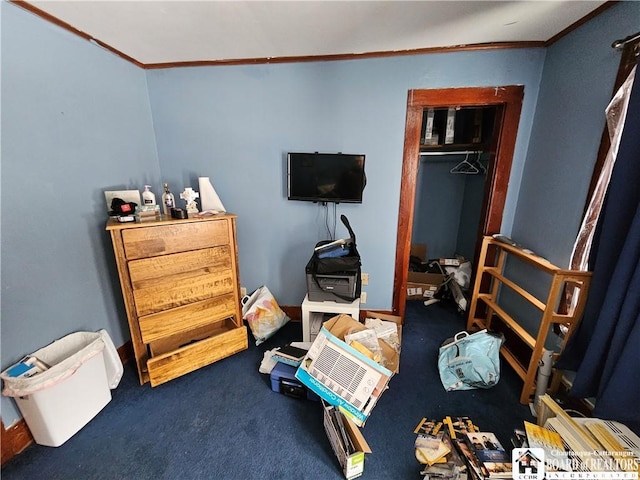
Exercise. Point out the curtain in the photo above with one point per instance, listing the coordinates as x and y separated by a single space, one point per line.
605 348
616 114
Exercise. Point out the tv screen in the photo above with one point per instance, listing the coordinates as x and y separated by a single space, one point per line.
325 177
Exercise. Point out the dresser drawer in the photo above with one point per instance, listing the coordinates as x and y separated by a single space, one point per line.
221 343
188 317
170 281
181 237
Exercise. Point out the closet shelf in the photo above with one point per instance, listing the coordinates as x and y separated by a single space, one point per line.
453 146
449 153
452 149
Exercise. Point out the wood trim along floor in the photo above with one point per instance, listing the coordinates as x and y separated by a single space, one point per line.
14 440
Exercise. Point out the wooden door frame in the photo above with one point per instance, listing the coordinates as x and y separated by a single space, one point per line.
508 99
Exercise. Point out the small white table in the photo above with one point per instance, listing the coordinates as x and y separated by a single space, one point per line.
312 314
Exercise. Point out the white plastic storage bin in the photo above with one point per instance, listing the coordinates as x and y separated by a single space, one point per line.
58 402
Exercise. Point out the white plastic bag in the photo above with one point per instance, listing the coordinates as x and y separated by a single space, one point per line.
263 314
65 356
112 361
461 274
366 342
385 330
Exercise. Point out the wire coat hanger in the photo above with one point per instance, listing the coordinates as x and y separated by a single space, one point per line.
478 164
465 167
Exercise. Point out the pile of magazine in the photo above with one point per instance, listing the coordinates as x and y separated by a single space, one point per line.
456 449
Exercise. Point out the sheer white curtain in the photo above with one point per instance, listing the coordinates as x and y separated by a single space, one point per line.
616 113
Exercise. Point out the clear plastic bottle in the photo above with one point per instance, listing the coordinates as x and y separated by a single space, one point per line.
148 197
168 200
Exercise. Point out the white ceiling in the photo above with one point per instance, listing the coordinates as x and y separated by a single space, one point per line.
154 31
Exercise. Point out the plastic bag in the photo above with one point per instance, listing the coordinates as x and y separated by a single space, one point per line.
461 274
263 314
385 330
112 361
366 342
65 356
467 362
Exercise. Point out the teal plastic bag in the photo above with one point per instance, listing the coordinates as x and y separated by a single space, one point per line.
469 361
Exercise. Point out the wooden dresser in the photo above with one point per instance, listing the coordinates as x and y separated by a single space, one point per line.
181 291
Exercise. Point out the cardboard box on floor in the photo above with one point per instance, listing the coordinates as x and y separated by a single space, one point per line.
343 376
352 462
422 286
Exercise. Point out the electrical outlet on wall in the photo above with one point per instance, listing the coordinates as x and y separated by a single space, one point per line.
363 297
365 278
243 291
126 195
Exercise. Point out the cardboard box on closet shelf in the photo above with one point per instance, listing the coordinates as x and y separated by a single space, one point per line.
343 376
347 442
421 286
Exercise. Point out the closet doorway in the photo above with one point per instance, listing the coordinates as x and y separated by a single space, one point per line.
504 104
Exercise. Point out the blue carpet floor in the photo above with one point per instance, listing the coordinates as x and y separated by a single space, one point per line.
224 421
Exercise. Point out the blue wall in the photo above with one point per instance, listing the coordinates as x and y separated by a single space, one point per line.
438 205
448 206
78 120
75 122
235 124
577 85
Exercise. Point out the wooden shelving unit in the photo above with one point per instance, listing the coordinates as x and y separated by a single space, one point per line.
485 304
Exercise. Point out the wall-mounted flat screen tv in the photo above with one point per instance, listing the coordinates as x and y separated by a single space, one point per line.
325 177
